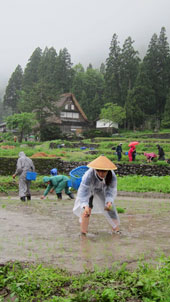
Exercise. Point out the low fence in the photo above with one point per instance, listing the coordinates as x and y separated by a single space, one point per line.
43 167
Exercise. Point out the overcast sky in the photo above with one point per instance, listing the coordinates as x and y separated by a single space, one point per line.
84 27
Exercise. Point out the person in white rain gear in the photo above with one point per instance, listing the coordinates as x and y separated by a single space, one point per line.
24 164
97 191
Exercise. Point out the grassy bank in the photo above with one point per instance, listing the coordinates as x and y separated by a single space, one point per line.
135 183
146 283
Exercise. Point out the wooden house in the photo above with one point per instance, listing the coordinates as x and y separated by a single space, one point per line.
70 118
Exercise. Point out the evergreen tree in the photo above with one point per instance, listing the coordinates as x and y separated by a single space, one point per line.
41 102
164 72
94 89
11 96
166 117
78 81
84 101
134 114
142 97
157 67
64 71
89 66
112 75
129 68
102 68
48 68
31 72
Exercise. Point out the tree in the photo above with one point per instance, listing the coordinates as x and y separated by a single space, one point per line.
134 114
23 122
140 101
11 96
157 62
31 72
164 72
113 112
94 90
112 75
48 68
102 68
166 117
42 101
64 71
129 68
90 66
88 88
78 81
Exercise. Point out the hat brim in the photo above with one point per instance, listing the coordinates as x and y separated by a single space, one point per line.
102 163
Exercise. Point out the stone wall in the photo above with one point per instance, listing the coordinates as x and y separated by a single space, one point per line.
43 166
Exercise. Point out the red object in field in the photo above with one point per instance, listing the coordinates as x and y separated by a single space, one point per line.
133 144
150 155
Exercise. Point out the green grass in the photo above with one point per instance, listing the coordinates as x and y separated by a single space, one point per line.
105 147
134 183
139 183
147 283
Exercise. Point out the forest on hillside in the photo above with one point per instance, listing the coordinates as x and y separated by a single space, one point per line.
141 88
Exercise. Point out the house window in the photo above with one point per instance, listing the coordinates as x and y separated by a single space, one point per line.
69 114
62 114
72 106
66 106
75 115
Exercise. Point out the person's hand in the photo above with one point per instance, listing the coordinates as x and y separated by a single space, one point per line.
52 190
13 176
108 206
86 211
42 197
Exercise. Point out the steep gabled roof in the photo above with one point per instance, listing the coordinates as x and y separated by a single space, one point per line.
53 118
60 103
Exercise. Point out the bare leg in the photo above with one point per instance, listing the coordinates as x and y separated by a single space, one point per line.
85 222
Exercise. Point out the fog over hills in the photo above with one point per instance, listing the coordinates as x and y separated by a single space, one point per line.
85 28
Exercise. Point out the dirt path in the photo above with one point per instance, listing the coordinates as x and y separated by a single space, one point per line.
46 231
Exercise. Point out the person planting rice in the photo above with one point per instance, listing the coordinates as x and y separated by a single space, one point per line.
97 191
57 183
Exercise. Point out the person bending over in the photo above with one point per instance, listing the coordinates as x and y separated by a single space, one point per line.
57 183
96 194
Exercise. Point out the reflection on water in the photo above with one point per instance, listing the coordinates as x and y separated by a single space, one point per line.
85 252
98 249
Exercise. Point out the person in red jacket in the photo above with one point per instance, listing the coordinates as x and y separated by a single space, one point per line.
131 152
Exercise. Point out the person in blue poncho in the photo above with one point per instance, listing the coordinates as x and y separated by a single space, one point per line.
57 183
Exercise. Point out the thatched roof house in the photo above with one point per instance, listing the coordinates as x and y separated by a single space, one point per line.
70 118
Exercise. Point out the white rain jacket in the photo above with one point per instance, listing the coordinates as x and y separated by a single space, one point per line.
92 185
24 164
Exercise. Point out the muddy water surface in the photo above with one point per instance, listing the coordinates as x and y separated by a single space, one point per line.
46 231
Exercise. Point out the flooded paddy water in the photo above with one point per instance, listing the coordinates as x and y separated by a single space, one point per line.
46 231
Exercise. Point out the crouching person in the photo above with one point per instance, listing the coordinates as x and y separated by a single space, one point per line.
57 183
96 194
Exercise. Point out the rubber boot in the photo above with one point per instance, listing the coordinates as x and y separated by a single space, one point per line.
22 198
59 195
28 197
71 195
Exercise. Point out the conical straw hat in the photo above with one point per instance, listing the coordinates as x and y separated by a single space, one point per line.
102 163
